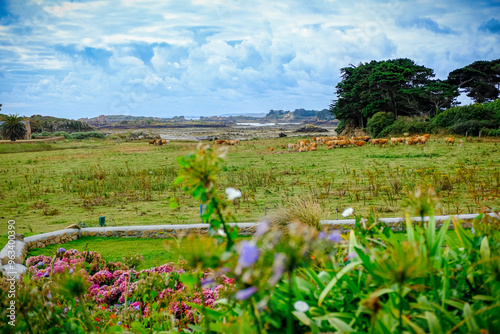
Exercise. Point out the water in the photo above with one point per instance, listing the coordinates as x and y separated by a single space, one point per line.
266 124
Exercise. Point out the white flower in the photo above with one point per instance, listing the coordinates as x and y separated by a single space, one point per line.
221 232
232 193
301 306
347 212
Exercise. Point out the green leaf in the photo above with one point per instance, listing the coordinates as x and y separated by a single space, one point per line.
413 326
213 314
469 318
340 325
409 229
434 325
485 250
302 317
436 247
332 283
462 236
188 279
484 298
455 304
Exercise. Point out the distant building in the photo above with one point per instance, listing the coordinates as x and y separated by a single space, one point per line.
28 128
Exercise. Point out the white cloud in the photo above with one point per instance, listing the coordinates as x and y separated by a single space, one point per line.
209 57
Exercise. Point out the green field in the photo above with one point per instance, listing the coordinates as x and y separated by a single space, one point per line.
46 187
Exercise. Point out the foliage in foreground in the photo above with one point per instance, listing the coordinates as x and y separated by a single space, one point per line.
301 280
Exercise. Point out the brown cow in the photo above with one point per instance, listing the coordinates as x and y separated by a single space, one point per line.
220 141
270 149
450 140
152 142
359 143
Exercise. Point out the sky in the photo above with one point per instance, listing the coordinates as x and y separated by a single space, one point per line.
169 58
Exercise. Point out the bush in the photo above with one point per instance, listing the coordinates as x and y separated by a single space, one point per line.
408 125
462 114
378 122
470 128
62 133
45 134
490 132
86 135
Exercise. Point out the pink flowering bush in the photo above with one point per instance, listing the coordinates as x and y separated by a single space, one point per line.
113 290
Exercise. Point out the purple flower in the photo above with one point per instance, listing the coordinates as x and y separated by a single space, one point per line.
278 268
71 271
49 295
39 264
61 250
261 229
334 236
249 254
321 235
245 293
207 282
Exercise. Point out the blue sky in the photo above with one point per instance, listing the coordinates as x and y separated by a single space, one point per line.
209 57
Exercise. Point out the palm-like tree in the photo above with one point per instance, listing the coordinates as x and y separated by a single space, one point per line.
13 128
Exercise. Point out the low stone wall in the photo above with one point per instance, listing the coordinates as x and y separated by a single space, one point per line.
23 245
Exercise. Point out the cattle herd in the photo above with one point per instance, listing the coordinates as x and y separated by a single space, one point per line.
304 145
159 142
332 142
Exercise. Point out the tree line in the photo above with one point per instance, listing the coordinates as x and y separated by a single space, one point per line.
402 88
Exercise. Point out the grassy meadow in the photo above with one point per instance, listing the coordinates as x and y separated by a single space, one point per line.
46 187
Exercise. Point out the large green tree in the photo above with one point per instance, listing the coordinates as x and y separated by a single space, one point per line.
13 128
479 80
398 86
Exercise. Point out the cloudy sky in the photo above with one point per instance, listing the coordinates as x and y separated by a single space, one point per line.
209 57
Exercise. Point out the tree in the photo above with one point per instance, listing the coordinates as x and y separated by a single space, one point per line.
13 128
480 80
398 86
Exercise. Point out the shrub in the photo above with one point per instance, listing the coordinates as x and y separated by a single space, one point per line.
470 128
86 135
490 132
45 134
378 122
408 125
462 114
302 209
62 133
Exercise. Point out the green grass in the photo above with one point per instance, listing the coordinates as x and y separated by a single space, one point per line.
156 251
130 183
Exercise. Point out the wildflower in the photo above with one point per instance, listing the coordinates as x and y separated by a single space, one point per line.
347 212
39 264
61 250
301 306
472 230
232 193
249 254
207 282
278 268
221 232
97 319
321 235
112 316
335 236
245 293
261 229
49 295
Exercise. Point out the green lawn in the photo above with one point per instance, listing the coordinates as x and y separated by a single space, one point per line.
157 251
48 187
